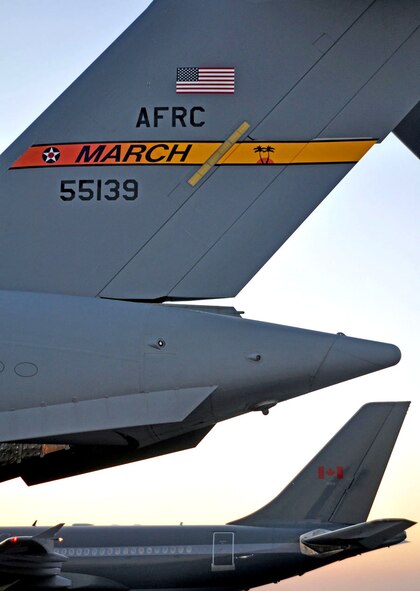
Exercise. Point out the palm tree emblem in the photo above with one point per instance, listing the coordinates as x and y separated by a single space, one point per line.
264 150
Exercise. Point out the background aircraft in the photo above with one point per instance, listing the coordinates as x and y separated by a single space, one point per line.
318 519
369 288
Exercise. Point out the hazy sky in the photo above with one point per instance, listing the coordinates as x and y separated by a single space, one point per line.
352 267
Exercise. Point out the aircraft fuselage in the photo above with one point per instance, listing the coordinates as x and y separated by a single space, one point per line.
184 557
86 371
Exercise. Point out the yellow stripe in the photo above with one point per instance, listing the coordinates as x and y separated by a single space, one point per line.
298 152
206 155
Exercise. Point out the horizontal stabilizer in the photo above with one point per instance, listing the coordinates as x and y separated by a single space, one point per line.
101 414
370 535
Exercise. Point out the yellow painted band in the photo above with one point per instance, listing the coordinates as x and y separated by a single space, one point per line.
203 154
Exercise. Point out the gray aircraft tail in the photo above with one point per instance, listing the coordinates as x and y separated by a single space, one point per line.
340 483
178 163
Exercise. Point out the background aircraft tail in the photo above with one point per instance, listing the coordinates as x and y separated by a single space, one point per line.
340 483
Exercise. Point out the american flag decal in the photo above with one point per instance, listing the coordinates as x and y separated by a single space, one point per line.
205 80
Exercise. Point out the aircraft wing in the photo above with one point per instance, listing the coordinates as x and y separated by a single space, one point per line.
177 164
370 535
31 562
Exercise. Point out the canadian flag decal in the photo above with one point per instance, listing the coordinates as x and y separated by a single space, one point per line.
336 472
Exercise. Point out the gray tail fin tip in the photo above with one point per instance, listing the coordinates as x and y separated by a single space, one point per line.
340 483
408 131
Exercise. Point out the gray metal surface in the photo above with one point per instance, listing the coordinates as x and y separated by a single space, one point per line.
327 70
408 131
218 557
368 535
340 483
92 372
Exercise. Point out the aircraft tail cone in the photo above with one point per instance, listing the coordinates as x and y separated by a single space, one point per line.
350 358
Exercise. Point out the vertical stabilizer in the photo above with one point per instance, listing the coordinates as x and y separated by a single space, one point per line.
177 164
341 482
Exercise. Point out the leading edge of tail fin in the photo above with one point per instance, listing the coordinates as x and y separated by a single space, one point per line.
340 483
